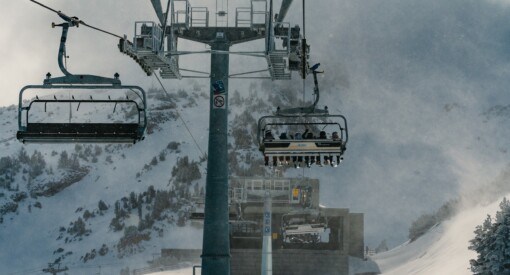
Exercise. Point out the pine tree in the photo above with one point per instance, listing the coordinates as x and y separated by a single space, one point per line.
132 200
154 161
74 162
500 257
97 150
196 190
479 245
63 161
37 164
5 165
492 243
117 209
161 203
382 247
421 226
139 211
102 206
78 228
23 155
151 193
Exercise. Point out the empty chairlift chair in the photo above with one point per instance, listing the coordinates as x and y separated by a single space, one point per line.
37 125
303 226
40 106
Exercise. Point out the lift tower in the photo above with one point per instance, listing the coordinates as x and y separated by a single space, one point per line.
149 51
216 247
284 52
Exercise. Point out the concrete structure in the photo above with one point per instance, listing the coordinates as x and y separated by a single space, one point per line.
343 238
290 261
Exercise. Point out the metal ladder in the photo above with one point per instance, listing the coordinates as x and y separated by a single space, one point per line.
277 57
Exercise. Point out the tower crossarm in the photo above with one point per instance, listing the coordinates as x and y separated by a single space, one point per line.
208 35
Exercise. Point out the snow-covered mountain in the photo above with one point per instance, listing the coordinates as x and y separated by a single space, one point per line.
115 205
86 206
422 84
443 250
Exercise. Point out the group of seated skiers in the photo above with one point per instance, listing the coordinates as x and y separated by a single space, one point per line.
268 136
298 161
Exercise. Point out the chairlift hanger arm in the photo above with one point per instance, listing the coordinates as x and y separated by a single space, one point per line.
307 110
68 77
80 132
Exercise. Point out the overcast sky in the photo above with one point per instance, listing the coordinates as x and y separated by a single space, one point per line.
29 45
413 78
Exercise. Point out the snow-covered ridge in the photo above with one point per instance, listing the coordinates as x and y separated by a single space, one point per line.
101 205
442 250
115 206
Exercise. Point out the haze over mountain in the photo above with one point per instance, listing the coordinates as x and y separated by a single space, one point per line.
422 84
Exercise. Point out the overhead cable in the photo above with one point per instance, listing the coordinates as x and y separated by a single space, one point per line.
75 19
182 120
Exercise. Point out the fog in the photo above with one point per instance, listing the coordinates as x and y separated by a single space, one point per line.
414 79
29 46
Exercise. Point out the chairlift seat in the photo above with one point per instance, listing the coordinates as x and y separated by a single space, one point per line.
303 147
81 132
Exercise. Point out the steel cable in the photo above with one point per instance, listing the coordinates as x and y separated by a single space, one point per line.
182 120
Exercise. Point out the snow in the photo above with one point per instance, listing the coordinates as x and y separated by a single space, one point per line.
182 271
415 80
39 230
443 250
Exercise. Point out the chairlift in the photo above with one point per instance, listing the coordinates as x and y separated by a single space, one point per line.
31 130
303 226
325 146
298 149
245 229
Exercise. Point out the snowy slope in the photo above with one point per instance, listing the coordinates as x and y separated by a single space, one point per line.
32 236
115 175
443 250
422 84
413 78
